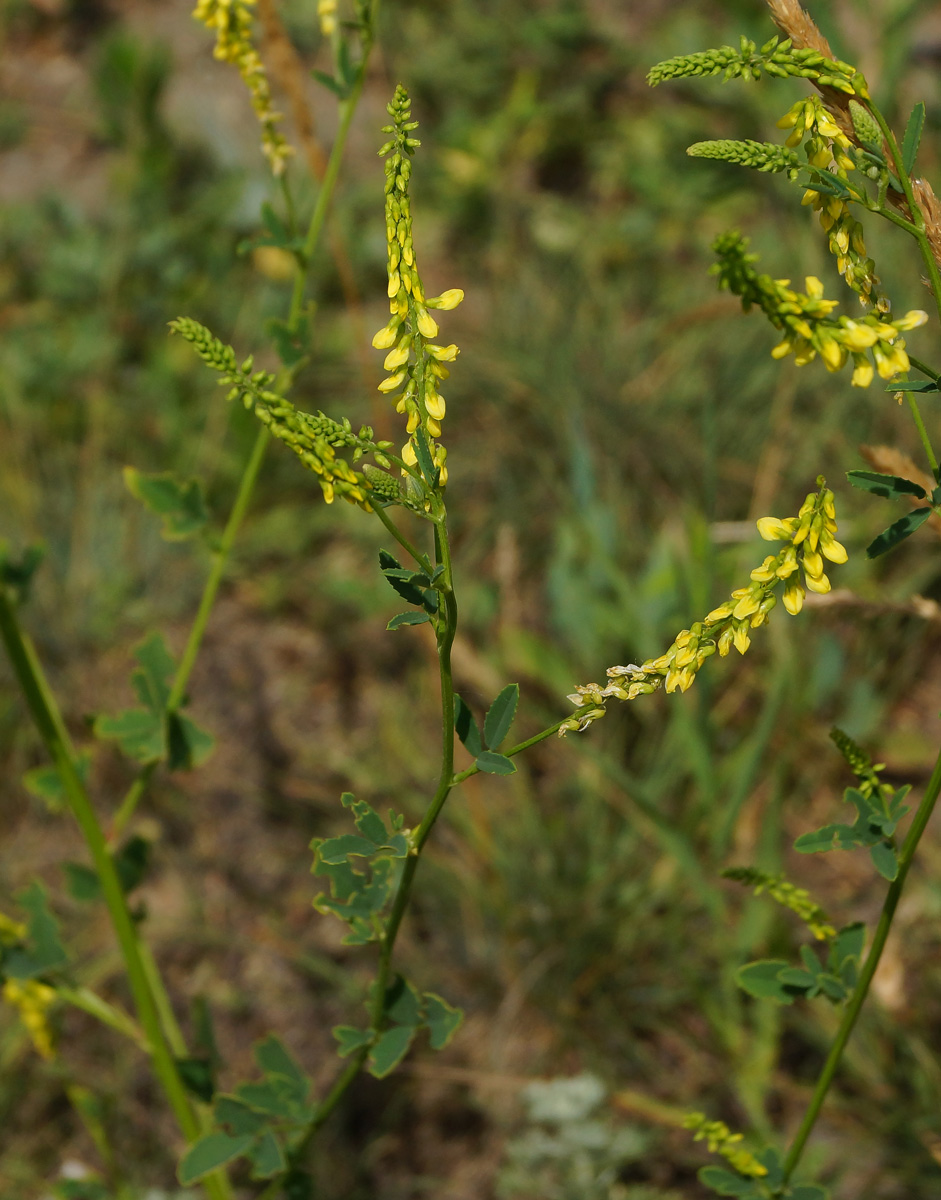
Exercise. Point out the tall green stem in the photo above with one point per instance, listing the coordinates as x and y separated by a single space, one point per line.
907 853
48 721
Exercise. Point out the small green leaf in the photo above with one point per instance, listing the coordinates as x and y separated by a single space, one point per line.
46 783
443 1020
402 1003
891 487
339 90
198 1076
271 1096
912 137
409 618
267 1157
495 764
913 385
423 454
830 837
151 680
19 575
338 849
212 1151
179 503
727 1184
81 882
466 727
44 951
140 733
238 1117
390 1049
808 1191
849 942
823 181
274 1059
760 979
188 745
500 716
351 1039
885 860
277 230
903 528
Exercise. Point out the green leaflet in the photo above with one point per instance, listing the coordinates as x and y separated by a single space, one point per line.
42 950
363 869
179 503
257 1121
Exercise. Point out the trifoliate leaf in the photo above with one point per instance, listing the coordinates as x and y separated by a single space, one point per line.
179 503
140 733
402 1003
726 1184
188 744
44 950
238 1117
274 1058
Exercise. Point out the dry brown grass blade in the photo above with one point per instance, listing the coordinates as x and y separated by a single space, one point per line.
890 461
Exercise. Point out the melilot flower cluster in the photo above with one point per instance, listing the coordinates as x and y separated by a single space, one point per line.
415 362
809 540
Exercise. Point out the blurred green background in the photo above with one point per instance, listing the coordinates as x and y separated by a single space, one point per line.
614 427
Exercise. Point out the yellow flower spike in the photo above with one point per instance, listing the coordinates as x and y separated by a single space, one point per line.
33 1000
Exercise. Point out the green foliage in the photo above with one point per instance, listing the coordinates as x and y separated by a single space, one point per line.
363 868
180 505
41 950
876 821
259 1121
893 487
131 861
46 783
151 733
405 1012
774 979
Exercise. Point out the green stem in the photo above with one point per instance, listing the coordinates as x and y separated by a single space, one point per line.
421 559
48 721
907 853
917 230
924 368
534 740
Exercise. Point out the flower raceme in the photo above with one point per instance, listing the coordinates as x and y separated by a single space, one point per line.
414 361
231 21
809 539
805 321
